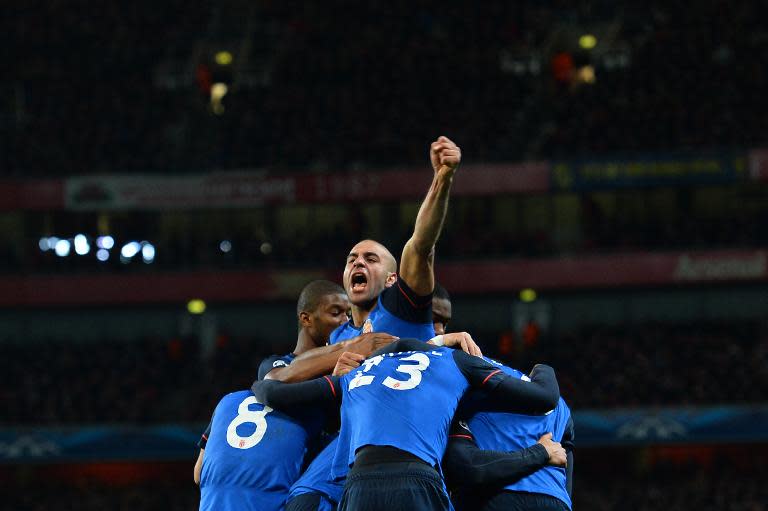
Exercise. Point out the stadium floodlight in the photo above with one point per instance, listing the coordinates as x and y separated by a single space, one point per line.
43 244
102 254
105 242
223 58
527 295
82 247
52 242
147 252
62 248
587 41
196 306
225 246
130 249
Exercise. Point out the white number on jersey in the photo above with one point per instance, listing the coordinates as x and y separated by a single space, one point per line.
413 371
245 416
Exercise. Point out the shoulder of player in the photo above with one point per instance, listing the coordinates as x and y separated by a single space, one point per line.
237 395
400 291
343 332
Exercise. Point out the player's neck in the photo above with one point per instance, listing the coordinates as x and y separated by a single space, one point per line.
361 312
305 343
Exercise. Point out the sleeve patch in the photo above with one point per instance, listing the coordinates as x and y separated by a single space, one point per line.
279 363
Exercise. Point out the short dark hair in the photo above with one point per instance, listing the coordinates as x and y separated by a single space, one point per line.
313 293
440 292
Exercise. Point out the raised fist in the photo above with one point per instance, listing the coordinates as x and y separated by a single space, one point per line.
445 155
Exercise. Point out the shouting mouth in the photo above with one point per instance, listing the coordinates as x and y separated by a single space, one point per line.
358 282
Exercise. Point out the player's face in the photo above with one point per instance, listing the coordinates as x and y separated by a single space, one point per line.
441 314
368 271
329 315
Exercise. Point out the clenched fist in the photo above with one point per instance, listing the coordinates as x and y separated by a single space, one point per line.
445 155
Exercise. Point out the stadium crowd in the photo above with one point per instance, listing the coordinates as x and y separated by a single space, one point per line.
150 381
683 87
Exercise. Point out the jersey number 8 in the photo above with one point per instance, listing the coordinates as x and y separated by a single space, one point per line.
245 416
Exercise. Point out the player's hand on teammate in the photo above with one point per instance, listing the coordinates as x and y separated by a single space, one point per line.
365 344
464 341
557 455
445 155
347 362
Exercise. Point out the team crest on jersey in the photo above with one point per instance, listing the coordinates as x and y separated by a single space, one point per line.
368 326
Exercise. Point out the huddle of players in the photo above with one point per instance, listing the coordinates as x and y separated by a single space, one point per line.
409 423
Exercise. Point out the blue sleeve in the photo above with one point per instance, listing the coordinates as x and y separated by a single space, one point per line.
204 437
296 399
272 362
466 464
401 301
511 394
568 444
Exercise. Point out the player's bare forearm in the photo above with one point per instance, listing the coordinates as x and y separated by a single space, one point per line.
199 467
321 361
417 261
310 364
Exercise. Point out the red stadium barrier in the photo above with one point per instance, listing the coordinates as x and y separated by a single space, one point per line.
635 269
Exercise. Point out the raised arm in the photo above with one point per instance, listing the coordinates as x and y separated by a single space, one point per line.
508 393
418 258
320 361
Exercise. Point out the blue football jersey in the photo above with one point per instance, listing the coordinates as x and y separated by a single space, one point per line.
512 432
406 319
404 400
411 320
252 456
274 362
316 479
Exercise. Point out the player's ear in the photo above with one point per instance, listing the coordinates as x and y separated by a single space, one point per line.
305 319
391 279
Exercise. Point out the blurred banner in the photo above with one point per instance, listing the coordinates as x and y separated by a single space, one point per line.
480 277
37 194
725 424
663 170
251 189
593 428
758 164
